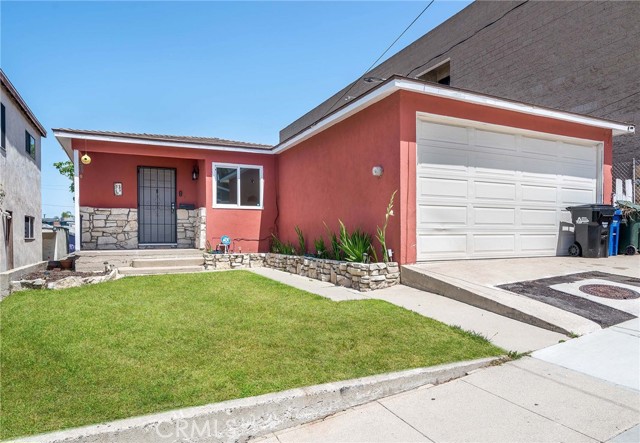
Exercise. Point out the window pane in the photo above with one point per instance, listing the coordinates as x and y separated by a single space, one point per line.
32 143
227 186
249 187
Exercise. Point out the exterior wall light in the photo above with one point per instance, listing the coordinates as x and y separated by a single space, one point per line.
85 159
377 171
195 174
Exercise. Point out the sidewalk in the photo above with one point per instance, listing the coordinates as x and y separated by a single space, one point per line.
527 400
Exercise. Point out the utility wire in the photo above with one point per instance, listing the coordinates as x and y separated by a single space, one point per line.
464 40
617 101
377 60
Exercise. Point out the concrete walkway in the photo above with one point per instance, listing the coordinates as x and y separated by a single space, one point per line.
527 400
509 334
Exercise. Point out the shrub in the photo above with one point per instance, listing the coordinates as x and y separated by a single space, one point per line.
321 249
355 246
279 247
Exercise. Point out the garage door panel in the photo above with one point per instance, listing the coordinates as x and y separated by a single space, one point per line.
538 243
438 244
494 190
577 196
537 193
496 141
483 244
442 215
440 132
433 157
538 147
442 187
494 216
484 193
539 217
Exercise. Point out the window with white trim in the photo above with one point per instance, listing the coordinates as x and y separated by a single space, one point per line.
237 186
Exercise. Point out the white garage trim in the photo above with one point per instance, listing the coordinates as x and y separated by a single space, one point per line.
485 190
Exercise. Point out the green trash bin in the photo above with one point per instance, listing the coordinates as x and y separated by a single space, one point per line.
629 242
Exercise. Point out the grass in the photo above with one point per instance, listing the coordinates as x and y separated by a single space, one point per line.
147 344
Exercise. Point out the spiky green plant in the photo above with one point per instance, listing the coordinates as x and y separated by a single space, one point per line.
336 253
381 233
302 247
279 247
321 249
355 246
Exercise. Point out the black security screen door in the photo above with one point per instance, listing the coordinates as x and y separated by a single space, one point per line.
156 205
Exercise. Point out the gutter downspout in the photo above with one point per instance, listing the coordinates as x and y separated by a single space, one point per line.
76 196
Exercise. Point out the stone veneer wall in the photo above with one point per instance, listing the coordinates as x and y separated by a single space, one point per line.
109 228
117 228
360 276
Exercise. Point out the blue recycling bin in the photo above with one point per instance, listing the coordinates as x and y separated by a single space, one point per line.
614 232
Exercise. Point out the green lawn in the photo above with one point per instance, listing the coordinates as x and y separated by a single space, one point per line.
148 344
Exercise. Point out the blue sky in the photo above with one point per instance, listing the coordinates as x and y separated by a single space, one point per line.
237 70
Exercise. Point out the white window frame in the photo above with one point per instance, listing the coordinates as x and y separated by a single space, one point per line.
238 167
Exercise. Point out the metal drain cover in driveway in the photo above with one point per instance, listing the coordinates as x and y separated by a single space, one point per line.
609 291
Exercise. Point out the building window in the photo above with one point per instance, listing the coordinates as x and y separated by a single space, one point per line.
28 228
438 74
30 144
238 186
3 128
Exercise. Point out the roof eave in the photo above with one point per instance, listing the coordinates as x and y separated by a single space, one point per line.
397 83
65 139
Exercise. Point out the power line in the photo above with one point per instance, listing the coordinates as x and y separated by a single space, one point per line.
377 60
617 101
464 40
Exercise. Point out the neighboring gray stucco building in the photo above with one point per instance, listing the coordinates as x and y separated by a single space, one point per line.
576 56
20 157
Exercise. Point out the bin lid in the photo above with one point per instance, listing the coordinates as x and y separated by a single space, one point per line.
593 207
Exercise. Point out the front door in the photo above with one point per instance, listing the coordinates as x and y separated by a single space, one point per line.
156 206
8 220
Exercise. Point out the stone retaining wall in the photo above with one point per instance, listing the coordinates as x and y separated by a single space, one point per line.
360 276
117 228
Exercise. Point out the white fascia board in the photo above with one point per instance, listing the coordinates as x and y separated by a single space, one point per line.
62 135
452 94
433 89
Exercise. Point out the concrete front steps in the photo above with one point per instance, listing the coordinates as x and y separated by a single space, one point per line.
129 270
496 300
164 265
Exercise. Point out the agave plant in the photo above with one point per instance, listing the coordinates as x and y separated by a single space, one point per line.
355 246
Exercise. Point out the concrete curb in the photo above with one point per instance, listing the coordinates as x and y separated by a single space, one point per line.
241 419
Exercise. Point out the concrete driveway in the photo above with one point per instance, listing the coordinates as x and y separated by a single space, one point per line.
482 283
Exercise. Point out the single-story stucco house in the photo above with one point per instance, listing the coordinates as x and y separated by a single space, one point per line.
477 176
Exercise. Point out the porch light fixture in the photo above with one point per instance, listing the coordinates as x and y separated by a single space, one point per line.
195 174
377 171
85 159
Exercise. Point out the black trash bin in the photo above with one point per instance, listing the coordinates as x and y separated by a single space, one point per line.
591 229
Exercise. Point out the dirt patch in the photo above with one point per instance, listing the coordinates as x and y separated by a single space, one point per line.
57 274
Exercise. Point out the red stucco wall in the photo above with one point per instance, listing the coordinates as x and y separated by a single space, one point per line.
113 162
328 177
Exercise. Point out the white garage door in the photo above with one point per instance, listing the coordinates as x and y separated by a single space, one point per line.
488 191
